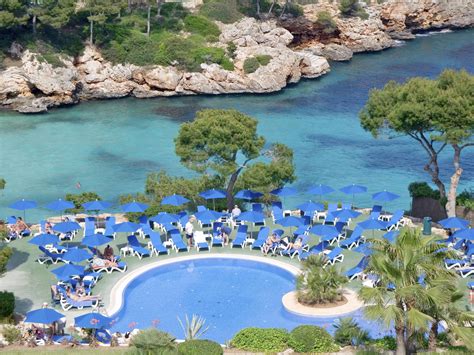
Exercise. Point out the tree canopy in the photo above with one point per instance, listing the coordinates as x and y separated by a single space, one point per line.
436 113
224 143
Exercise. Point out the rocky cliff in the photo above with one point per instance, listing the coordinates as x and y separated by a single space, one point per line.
35 86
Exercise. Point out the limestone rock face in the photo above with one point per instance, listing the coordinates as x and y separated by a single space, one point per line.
163 78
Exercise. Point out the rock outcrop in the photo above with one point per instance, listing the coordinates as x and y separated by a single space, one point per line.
35 85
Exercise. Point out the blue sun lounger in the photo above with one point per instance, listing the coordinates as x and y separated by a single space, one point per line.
241 237
456 263
354 240
109 224
396 221
216 241
48 256
155 244
314 250
297 251
334 256
261 238
137 248
178 243
67 303
89 226
358 269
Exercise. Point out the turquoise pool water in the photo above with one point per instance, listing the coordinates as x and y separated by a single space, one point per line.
110 146
231 294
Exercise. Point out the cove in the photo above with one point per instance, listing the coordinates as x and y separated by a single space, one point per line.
110 146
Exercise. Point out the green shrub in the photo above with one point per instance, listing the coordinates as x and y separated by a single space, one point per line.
7 304
79 199
466 199
198 347
225 11
310 338
153 341
294 10
261 339
11 334
231 48
422 189
385 343
201 25
263 59
5 253
251 64
351 8
326 21
348 332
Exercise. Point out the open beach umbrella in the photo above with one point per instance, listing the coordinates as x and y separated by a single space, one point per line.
252 216
23 205
290 221
126 227
207 216
467 234
311 206
174 200
93 320
320 190
66 271
353 190
44 239
59 205
384 196
94 240
66 227
96 205
345 215
454 222
134 207
75 255
284 191
326 232
372 224
165 218
43 316
213 194
248 195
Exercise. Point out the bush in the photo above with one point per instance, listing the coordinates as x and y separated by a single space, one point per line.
422 189
201 25
5 253
231 48
310 338
326 21
225 11
210 55
261 339
263 59
11 334
351 8
153 341
251 64
385 343
348 332
198 347
7 304
466 199
294 10
79 199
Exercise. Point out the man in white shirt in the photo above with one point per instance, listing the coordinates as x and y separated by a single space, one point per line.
189 230
236 212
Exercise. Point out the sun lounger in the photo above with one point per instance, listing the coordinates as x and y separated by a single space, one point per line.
241 237
277 213
109 224
89 226
292 252
48 256
137 248
216 241
470 285
261 238
67 303
357 270
200 241
456 263
314 250
354 240
121 267
465 272
396 221
177 240
330 219
155 244
376 208
334 256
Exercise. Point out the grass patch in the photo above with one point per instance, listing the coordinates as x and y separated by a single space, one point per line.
251 64
202 26
226 11
263 59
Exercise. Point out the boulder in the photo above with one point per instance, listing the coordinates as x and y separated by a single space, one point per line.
162 78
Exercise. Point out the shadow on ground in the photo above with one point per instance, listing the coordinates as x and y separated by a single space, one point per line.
18 258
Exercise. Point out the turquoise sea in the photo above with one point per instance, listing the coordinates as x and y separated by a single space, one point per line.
110 146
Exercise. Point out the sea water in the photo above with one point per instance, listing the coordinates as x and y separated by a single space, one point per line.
110 146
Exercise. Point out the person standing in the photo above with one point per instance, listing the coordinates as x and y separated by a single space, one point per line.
236 212
189 230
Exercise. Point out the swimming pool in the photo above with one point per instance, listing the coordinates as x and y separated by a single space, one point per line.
230 293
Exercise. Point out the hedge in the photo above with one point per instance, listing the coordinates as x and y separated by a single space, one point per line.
310 338
202 26
5 254
198 347
261 339
7 304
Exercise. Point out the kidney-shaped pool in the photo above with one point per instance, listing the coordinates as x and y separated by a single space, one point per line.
230 293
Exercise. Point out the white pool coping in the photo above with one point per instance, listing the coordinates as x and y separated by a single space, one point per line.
117 292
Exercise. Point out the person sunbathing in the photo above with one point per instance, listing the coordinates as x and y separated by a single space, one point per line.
78 298
270 243
297 244
20 226
98 263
